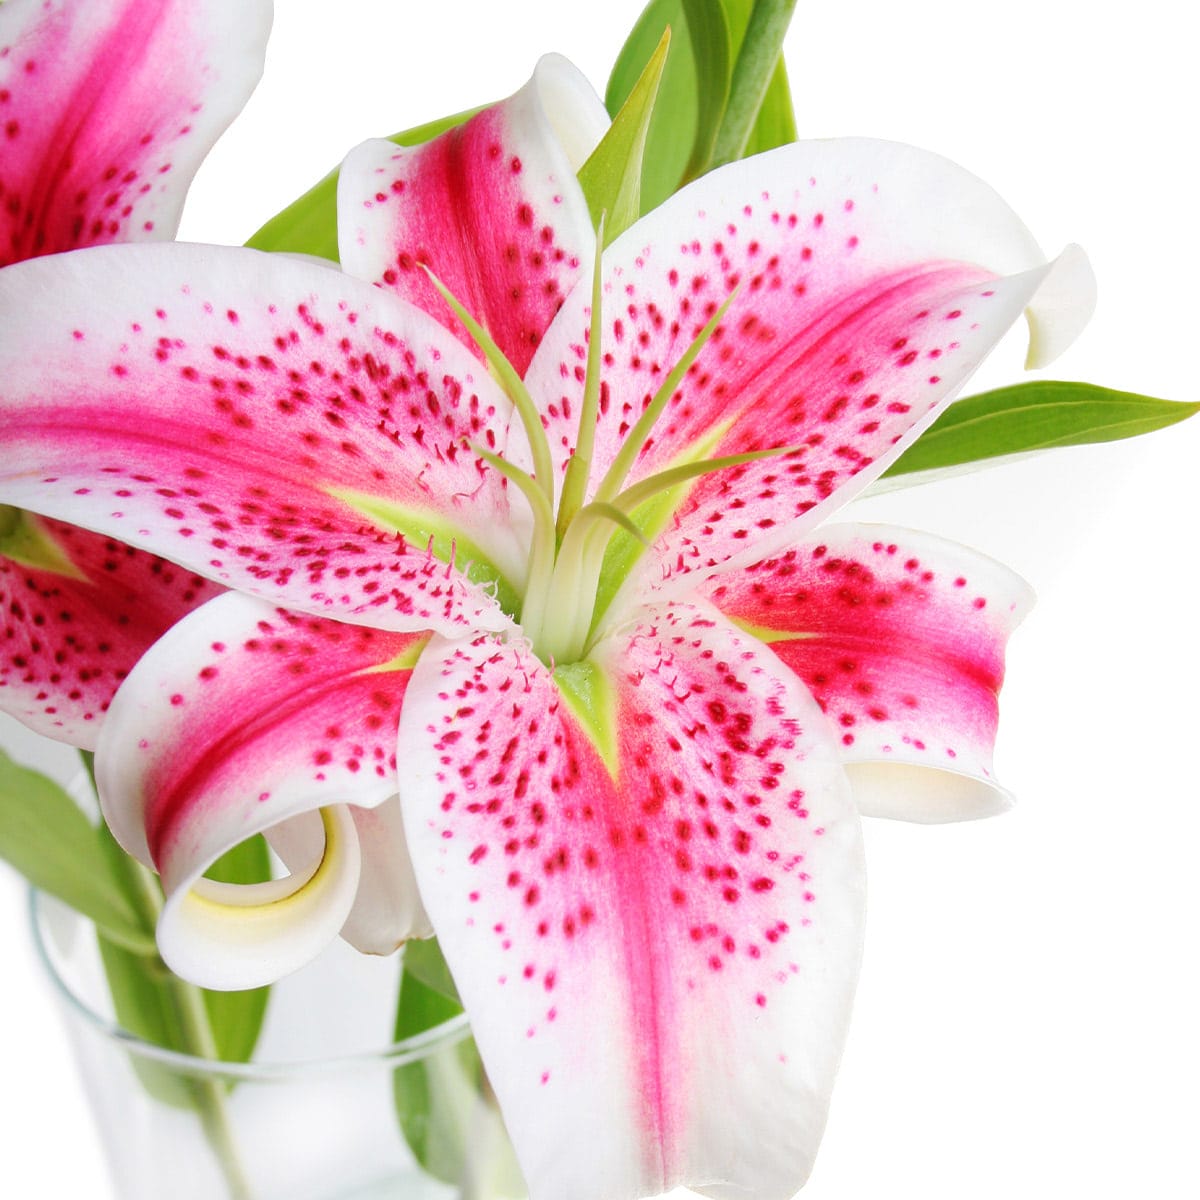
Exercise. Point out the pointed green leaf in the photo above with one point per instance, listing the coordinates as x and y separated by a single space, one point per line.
422 1006
776 124
142 987
47 837
673 123
247 862
430 1092
237 1019
309 225
1039 415
612 176
25 540
713 54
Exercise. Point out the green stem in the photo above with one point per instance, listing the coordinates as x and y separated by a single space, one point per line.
142 889
752 74
211 1098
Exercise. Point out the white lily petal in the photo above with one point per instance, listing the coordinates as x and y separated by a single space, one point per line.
232 936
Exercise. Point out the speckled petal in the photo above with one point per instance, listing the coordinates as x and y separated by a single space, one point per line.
72 634
279 427
107 107
900 635
861 311
242 717
655 930
492 208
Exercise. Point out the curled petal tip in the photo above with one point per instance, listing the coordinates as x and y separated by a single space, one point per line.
235 936
575 113
908 792
311 722
1063 305
900 636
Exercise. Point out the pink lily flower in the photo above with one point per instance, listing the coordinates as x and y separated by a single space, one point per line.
107 109
578 616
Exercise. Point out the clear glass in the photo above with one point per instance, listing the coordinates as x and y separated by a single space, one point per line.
313 1117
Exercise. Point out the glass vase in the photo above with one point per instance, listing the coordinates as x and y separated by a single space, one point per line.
327 1109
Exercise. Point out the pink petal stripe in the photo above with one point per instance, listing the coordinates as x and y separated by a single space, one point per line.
107 108
493 208
244 717
70 639
210 411
658 964
900 636
861 310
244 714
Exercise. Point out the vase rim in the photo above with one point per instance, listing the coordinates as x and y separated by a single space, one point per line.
395 1054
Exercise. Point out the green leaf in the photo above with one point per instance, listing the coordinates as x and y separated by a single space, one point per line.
752 77
424 962
421 1007
247 862
429 1093
713 54
160 1007
47 837
676 121
776 124
25 539
1039 415
309 225
444 1103
420 1089
612 176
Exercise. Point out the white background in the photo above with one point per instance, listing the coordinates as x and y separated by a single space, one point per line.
1026 1023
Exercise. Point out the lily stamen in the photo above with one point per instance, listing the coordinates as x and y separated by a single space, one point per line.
579 466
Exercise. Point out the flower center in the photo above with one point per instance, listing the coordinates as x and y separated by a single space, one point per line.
583 549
